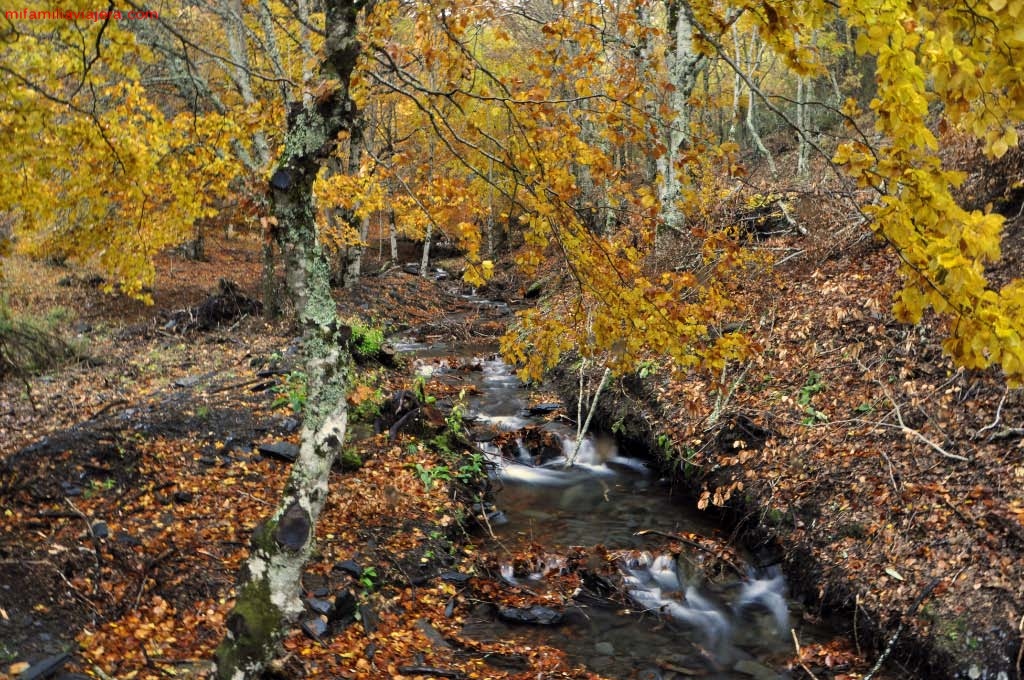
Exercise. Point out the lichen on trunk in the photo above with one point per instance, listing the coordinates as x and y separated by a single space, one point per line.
268 594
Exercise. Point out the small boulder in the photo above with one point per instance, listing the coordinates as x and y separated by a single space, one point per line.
536 615
285 451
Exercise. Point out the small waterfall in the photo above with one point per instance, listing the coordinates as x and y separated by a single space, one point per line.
653 583
606 499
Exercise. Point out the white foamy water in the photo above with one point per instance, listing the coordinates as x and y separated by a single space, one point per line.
654 584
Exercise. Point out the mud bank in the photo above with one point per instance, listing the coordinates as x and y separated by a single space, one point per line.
914 637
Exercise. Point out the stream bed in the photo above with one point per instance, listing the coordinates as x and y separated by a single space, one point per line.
669 617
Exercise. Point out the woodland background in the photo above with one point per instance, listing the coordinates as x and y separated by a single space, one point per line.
804 214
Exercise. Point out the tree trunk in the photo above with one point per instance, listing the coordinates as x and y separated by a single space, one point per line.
803 148
393 235
683 63
269 592
752 129
353 264
238 50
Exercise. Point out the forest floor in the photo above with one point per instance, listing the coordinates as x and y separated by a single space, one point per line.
131 479
891 480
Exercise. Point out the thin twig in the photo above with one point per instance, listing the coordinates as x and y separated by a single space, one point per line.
799 654
895 636
95 545
892 477
998 416
903 427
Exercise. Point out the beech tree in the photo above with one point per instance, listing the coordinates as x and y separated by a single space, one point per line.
280 547
537 115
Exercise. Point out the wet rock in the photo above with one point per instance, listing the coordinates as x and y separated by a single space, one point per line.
45 668
755 670
536 615
349 567
437 640
285 451
344 610
319 605
543 409
70 490
497 518
125 538
484 434
455 577
315 628
368 617
605 648
512 662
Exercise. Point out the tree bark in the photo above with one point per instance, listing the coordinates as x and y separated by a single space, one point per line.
353 261
268 594
683 63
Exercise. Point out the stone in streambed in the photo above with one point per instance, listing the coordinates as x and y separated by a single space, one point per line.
536 615
285 451
315 628
755 670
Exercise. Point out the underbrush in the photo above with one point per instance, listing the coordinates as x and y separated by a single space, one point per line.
30 344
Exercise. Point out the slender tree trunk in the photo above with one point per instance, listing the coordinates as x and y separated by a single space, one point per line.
737 85
354 254
238 50
425 259
268 594
752 129
393 235
490 209
803 148
683 63
272 50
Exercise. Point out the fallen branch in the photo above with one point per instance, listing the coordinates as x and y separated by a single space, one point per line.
899 630
998 416
903 427
95 545
799 654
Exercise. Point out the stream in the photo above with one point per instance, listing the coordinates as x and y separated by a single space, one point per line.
675 620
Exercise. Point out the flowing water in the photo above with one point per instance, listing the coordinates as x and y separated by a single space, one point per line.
675 622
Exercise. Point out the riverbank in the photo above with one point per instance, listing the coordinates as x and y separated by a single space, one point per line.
889 481
169 448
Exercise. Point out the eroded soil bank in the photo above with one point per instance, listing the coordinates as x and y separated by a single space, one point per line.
891 483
